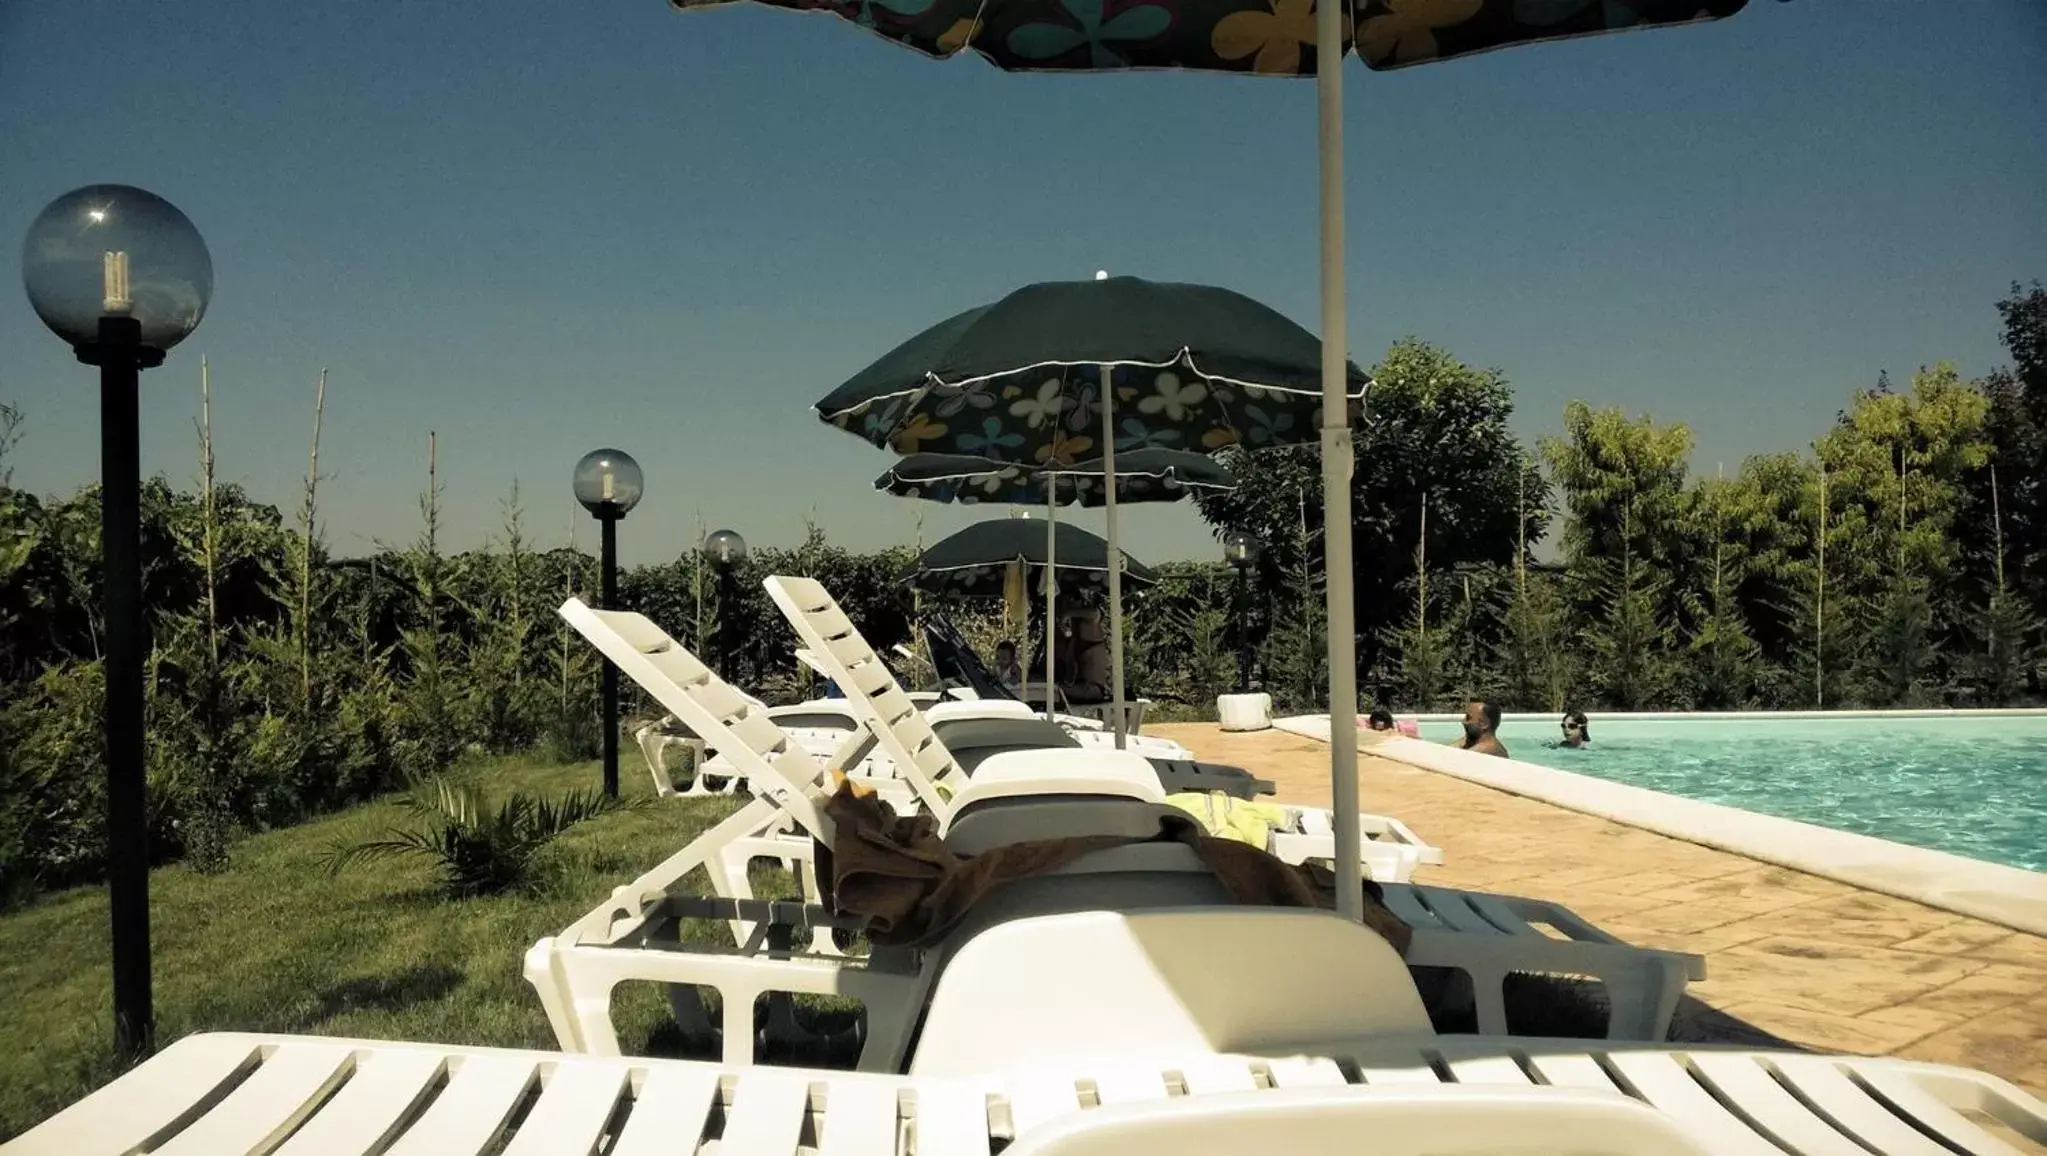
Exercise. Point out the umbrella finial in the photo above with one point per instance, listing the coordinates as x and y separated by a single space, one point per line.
1101 274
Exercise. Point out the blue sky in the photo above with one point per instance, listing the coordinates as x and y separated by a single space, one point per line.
543 227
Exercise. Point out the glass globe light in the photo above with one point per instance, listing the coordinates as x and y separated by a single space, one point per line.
608 482
1240 550
725 549
116 250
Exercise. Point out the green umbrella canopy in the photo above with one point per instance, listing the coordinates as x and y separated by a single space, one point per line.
1019 380
972 561
1268 37
1149 475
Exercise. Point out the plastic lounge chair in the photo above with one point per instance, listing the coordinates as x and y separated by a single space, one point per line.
1390 851
632 935
1486 936
298 1095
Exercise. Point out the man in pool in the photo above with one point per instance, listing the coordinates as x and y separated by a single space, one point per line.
1481 724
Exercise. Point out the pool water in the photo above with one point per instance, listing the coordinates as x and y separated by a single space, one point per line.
1974 786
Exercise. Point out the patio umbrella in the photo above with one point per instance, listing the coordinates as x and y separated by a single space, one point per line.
972 561
1022 380
1278 38
1145 475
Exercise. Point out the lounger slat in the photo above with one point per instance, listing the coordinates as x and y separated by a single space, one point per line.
1572 1070
1390 1071
374 1102
1305 1072
575 1104
766 1117
1493 1069
669 1112
150 1099
1036 1097
1851 1109
1501 915
1744 1083
860 1118
1455 910
1930 1112
1206 1077
1128 1085
469 1112
952 1120
1660 1079
1312 821
1401 900
275 1098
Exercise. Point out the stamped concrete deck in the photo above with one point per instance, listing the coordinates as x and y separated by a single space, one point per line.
1812 961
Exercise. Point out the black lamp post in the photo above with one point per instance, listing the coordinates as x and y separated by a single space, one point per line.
608 483
122 276
1240 550
726 550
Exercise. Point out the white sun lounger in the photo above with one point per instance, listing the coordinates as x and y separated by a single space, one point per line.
632 937
302 1095
1390 851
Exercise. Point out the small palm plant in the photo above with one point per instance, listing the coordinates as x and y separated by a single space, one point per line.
480 851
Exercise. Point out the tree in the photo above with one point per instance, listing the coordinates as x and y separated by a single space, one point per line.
1622 483
1901 466
1435 425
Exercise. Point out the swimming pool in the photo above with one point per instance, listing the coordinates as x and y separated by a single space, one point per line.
1969 785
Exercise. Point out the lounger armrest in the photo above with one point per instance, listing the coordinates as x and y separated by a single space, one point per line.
1058 767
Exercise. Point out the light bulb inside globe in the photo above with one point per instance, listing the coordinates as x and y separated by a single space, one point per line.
725 549
608 483
117 251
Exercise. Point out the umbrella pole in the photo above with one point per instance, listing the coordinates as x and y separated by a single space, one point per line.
1336 471
1051 588
1115 558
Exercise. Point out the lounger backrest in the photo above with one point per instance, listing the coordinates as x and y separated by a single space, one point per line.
870 688
1109 985
733 724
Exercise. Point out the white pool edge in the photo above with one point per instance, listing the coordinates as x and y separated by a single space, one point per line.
2007 896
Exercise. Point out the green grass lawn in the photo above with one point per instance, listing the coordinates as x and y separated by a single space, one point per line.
275 943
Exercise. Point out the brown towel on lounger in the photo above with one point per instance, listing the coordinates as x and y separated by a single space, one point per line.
896 873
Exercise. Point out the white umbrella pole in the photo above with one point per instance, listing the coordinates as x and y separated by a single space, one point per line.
1336 471
1051 588
1115 558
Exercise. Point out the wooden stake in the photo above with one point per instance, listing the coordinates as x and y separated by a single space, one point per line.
1997 527
1819 618
209 540
307 528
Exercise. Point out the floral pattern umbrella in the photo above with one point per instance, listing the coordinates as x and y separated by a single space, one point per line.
972 562
1268 37
1020 380
1144 475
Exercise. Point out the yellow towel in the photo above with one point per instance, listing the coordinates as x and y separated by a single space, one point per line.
1230 818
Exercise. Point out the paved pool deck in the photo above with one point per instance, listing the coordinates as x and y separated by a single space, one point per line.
1811 961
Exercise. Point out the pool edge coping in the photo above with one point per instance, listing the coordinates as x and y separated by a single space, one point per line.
2010 897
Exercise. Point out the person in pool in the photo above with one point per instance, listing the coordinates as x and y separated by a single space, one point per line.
1577 732
1380 720
1481 724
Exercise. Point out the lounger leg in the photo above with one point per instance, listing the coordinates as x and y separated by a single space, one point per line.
548 983
1642 1006
651 743
1489 999
729 879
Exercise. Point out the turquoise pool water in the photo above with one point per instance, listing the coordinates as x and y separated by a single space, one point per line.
1970 786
